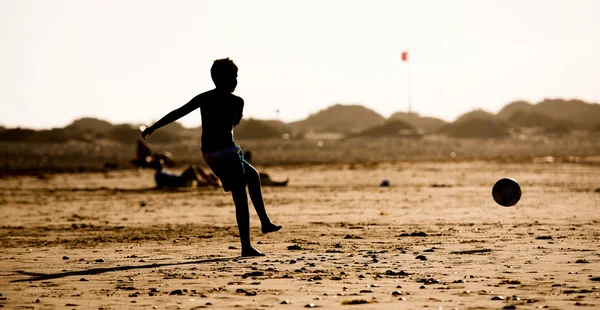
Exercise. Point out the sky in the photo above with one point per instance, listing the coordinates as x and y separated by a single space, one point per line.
135 60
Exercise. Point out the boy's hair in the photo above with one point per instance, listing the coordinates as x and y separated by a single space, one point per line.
222 69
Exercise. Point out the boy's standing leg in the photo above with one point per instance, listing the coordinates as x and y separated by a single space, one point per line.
242 216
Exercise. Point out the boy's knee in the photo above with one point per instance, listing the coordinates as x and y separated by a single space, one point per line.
250 171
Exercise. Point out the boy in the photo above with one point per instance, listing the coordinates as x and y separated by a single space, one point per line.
221 111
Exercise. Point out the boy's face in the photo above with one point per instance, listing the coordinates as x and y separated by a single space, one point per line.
229 81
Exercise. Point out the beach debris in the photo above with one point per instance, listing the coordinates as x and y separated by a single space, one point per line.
357 302
509 281
176 292
400 273
476 251
253 274
440 185
429 281
413 234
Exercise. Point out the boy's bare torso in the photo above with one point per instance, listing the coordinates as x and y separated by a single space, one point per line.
220 112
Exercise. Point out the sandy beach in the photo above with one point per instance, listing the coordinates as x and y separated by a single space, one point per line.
433 239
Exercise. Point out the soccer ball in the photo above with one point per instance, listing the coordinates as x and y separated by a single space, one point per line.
506 192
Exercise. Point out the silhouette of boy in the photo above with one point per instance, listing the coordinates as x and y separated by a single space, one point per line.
221 111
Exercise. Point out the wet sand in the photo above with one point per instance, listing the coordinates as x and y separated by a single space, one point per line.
433 239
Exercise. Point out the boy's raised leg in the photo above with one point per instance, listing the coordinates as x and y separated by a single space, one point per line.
257 200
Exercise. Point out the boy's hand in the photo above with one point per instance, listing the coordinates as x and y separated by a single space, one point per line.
147 132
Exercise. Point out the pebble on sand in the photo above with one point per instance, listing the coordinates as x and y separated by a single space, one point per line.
176 292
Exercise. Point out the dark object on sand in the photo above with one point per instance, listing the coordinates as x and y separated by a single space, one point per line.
506 192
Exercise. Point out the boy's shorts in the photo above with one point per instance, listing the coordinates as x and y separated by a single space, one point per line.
228 166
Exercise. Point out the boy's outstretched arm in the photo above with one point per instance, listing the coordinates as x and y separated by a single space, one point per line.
171 117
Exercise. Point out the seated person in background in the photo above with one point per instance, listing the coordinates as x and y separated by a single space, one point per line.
265 180
145 158
186 179
144 155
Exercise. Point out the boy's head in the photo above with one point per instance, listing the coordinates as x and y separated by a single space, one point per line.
224 74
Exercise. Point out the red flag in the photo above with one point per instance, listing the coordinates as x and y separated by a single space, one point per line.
405 56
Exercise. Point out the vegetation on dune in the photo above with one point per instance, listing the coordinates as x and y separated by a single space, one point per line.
550 117
396 128
508 110
89 125
342 134
528 118
18 158
424 123
477 124
574 114
56 135
340 118
256 129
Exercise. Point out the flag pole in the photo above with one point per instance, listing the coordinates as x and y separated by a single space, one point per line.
409 81
409 89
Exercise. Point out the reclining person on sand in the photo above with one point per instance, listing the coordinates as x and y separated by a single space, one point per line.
265 179
187 178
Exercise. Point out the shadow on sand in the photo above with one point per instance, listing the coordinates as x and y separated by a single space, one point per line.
35 276
102 189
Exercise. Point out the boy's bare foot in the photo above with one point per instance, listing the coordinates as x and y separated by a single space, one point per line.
251 252
270 228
